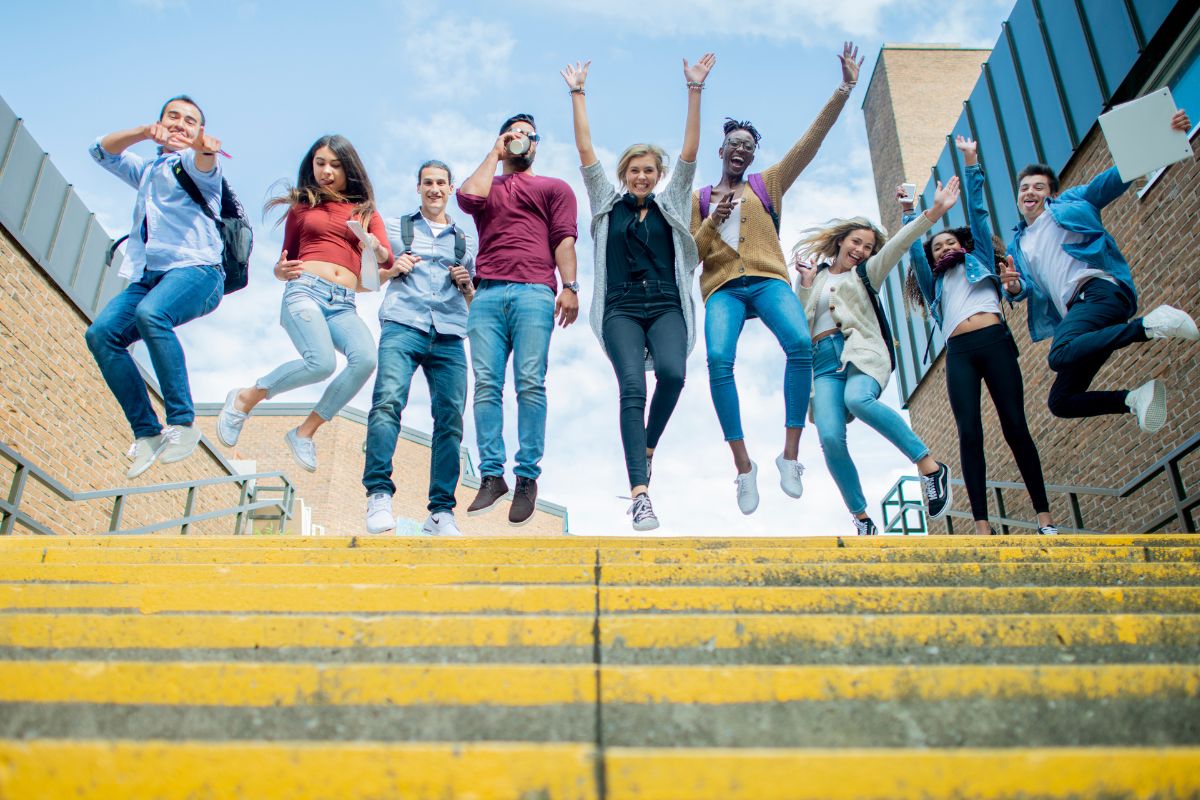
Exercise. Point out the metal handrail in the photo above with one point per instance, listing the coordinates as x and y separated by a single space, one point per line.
1183 503
11 513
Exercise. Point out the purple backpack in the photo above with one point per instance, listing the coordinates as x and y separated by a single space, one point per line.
755 181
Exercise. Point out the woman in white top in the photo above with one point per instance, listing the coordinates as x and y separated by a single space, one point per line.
841 267
957 276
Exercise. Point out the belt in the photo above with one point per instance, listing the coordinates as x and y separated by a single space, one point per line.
826 334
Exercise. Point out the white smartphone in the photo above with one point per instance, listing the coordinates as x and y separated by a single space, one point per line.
910 192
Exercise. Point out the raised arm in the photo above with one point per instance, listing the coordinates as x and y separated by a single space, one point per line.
916 252
976 204
880 264
479 184
695 75
576 77
805 149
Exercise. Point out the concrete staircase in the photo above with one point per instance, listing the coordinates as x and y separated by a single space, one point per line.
271 667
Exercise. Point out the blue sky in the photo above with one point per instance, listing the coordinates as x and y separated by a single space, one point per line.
410 81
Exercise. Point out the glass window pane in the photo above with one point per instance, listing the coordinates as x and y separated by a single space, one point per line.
999 183
1008 97
1070 52
1112 34
1049 119
1151 14
1185 87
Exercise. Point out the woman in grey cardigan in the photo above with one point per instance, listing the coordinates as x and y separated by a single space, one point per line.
645 255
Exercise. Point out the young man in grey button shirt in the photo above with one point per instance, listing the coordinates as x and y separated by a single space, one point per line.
424 322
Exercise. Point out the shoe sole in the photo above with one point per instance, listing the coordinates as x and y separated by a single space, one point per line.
1156 411
517 524
642 527
479 512
371 530
135 473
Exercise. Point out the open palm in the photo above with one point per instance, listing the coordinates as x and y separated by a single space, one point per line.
697 72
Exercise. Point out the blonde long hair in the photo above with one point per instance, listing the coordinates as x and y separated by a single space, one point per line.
636 151
823 242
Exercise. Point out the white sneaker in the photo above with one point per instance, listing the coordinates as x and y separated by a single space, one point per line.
143 452
441 523
230 420
303 450
379 513
790 473
1168 322
747 489
1149 402
179 442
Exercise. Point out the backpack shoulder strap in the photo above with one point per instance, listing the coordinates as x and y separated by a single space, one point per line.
705 201
406 231
193 191
759 187
460 245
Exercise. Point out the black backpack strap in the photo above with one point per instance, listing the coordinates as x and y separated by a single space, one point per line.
884 328
112 250
193 191
406 231
460 245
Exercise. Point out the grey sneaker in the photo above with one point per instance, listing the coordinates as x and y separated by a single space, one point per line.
303 450
441 523
1168 322
379 513
230 421
1149 403
179 442
143 452
644 518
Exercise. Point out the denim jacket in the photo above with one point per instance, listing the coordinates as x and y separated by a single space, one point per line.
980 263
1076 210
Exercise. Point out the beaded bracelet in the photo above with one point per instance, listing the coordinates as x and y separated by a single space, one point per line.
695 84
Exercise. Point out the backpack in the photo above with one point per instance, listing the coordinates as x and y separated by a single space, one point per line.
884 327
755 181
237 235
406 235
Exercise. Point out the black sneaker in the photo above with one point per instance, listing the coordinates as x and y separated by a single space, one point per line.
524 498
865 527
643 513
491 491
1047 530
937 491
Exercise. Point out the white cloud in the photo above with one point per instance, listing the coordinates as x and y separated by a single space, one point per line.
443 52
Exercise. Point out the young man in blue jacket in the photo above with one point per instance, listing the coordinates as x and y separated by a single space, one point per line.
1080 292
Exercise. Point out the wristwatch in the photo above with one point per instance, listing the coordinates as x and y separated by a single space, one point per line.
573 286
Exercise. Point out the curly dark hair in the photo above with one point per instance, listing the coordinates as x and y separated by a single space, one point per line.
746 125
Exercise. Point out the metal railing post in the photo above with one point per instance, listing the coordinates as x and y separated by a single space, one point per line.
1000 511
188 504
118 511
15 490
1076 511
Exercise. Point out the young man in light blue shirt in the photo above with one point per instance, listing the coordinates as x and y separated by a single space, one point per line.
173 265
424 321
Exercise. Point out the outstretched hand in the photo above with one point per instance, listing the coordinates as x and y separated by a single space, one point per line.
202 143
944 197
1010 277
699 71
850 62
805 270
575 76
969 148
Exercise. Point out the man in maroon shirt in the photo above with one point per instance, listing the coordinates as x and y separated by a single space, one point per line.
527 228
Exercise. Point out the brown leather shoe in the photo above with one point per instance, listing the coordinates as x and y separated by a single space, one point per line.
492 490
524 498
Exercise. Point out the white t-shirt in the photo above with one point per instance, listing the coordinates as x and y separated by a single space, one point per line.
825 321
1058 273
961 299
731 228
434 227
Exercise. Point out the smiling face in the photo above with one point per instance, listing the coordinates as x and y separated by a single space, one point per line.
641 175
182 119
435 190
944 242
328 170
857 246
1031 196
737 152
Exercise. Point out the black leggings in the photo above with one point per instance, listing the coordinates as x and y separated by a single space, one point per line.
990 355
636 322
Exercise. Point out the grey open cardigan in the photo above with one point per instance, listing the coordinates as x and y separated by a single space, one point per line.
676 204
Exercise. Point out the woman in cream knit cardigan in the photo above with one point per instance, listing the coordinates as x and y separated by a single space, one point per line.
851 364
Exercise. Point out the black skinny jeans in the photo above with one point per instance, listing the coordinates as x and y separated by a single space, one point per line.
989 355
1096 326
641 316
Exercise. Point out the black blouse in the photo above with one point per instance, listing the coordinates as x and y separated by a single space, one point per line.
639 250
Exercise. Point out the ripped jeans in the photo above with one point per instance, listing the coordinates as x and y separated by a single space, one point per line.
320 316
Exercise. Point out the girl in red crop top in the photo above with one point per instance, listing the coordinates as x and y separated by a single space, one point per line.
322 277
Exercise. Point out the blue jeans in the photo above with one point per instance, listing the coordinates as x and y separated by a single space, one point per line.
401 350
150 309
517 319
320 316
837 392
725 315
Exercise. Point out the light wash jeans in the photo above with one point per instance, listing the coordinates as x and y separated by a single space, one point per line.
320 317
510 318
402 349
725 314
837 392
151 309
